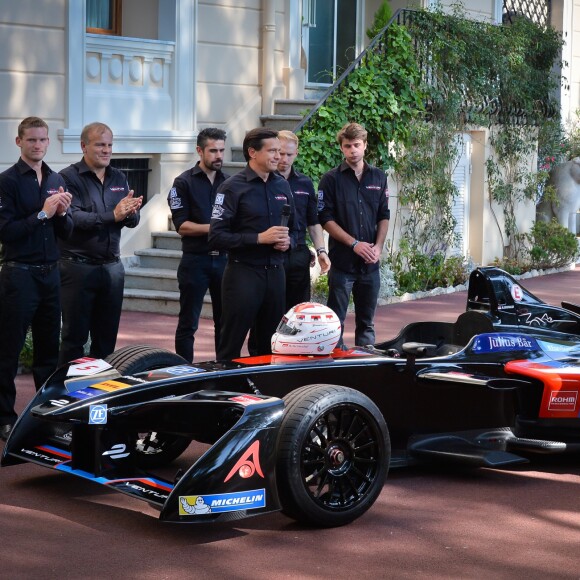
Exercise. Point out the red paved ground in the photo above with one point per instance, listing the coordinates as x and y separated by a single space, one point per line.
519 523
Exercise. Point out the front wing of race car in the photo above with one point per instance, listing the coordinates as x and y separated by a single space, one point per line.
95 440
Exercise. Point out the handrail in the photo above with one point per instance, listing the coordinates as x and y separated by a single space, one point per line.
402 14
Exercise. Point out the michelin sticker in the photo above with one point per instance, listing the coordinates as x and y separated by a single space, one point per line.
191 505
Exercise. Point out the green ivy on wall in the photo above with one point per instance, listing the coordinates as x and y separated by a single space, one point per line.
434 78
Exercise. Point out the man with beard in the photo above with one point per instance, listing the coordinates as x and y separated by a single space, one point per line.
191 200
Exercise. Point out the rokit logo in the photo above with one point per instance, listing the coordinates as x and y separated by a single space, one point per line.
117 451
563 401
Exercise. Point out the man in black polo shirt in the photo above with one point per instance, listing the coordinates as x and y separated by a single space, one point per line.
246 221
191 200
354 210
33 212
91 272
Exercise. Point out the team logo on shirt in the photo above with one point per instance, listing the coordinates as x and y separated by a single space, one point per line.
116 188
217 212
300 192
174 199
377 187
218 209
320 200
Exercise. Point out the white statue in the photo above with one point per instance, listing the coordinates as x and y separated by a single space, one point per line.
566 179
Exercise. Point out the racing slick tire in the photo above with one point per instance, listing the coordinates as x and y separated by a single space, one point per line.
154 449
333 455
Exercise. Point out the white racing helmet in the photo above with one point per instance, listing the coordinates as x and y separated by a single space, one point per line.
307 328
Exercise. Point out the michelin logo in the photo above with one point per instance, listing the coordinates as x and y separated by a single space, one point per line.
191 505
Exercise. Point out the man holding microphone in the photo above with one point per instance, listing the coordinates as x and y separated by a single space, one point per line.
247 221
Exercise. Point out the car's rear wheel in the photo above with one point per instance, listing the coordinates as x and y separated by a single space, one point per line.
154 449
333 455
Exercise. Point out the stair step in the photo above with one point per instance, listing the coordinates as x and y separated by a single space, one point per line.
280 122
238 154
235 166
159 259
166 240
293 106
158 279
159 302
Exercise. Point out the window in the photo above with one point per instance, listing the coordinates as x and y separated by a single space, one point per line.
104 16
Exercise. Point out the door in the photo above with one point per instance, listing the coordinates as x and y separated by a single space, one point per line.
329 36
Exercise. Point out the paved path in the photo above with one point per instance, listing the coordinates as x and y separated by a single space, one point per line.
518 523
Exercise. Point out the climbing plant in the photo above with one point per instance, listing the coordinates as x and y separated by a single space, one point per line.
434 78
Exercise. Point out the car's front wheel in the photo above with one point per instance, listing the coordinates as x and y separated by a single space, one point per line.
154 449
333 455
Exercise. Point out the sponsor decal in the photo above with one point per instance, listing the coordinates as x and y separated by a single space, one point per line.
563 401
485 343
517 293
51 191
116 188
280 197
146 490
181 370
175 203
40 456
97 414
543 320
300 192
190 505
219 199
87 366
246 399
110 386
217 212
376 187
118 451
59 402
320 200
248 463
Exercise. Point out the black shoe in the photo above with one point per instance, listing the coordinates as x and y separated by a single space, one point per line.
5 431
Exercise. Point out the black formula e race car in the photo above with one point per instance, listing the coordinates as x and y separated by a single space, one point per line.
316 435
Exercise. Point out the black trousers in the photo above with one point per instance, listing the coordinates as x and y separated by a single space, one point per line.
251 296
195 274
28 298
92 299
297 268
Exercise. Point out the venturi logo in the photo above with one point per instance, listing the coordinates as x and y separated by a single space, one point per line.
117 451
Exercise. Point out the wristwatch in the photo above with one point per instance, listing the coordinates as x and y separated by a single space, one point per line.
42 215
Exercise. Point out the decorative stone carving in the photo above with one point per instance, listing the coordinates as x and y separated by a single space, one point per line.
566 179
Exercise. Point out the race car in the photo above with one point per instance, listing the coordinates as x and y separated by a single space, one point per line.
315 434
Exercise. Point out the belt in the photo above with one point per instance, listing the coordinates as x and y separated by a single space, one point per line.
260 266
79 260
32 267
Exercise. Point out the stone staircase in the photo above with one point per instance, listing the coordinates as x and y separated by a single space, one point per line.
151 277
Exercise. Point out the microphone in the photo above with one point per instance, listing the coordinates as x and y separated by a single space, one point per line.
285 215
